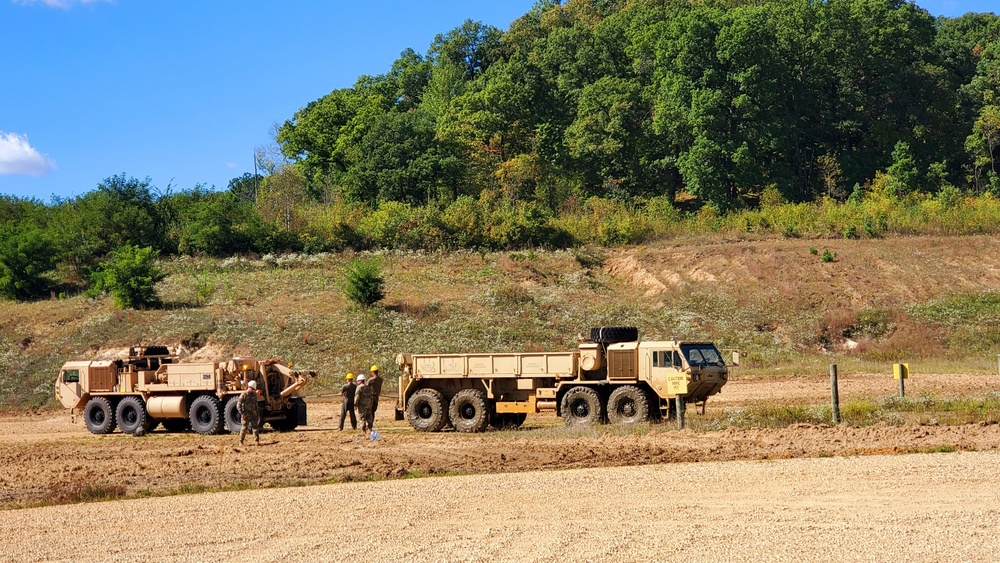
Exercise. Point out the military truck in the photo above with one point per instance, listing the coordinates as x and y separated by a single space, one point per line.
151 386
611 376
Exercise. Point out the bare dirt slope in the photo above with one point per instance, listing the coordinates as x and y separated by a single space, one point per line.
925 507
46 457
865 273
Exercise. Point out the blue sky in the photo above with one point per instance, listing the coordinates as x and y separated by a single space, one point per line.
182 91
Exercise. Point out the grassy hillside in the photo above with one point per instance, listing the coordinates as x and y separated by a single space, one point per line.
789 305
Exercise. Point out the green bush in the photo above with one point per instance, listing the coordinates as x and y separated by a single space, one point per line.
130 275
363 282
26 255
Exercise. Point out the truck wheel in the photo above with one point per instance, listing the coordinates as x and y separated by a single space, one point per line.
291 420
508 420
99 416
132 416
206 415
581 405
468 411
628 405
426 410
233 422
613 334
176 424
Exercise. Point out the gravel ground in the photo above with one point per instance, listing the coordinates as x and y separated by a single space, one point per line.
922 507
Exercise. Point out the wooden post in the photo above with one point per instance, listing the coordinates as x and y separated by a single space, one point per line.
680 411
834 394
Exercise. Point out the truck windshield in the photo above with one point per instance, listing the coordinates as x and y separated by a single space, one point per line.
702 355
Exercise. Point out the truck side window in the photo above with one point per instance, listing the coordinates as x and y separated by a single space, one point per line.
71 376
656 356
675 361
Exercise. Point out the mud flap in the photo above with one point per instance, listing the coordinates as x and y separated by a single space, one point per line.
300 413
400 415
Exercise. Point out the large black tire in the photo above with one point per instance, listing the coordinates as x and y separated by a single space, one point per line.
508 420
99 416
291 420
132 416
205 415
232 415
426 410
176 424
581 405
157 351
613 334
628 405
469 411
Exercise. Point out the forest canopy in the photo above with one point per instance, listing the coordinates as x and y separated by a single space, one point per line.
641 98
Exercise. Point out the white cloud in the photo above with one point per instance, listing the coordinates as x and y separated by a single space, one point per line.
64 4
17 156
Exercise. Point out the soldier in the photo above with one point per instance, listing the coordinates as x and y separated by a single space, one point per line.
249 412
375 382
347 392
363 398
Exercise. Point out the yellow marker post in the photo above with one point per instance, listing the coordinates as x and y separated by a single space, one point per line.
677 385
901 372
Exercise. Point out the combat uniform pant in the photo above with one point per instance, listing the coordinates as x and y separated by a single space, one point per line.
367 419
344 409
253 423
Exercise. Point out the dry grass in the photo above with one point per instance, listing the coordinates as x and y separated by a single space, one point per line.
922 300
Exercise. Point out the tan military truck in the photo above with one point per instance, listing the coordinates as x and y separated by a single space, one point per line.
611 376
152 387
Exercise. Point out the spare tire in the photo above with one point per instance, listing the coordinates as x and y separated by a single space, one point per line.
157 351
613 334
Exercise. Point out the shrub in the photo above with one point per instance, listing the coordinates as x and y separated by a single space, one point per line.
130 275
25 256
363 282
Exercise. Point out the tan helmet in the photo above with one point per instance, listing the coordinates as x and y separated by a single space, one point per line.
252 384
350 376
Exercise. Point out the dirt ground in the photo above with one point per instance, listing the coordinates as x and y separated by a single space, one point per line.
46 457
920 507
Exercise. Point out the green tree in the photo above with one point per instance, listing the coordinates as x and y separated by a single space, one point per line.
903 169
130 275
208 222
26 256
363 282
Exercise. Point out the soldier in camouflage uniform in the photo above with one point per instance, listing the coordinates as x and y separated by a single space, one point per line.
363 399
249 412
375 382
347 407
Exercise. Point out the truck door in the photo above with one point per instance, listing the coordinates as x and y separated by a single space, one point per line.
663 364
68 388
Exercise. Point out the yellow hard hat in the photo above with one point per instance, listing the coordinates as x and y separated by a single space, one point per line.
350 375
374 368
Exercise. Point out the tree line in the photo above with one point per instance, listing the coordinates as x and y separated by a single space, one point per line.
589 121
639 98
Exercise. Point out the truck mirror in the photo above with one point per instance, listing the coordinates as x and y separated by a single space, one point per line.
736 358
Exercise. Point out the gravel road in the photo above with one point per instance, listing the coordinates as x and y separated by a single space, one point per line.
921 507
